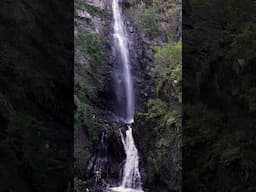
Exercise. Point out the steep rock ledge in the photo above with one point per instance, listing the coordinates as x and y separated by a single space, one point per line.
156 26
96 18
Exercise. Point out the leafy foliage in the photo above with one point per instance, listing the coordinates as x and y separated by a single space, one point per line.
161 125
90 45
168 70
157 18
147 20
161 142
84 118
87 78
89 65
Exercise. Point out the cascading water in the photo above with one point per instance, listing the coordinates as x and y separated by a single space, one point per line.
131 180
125 80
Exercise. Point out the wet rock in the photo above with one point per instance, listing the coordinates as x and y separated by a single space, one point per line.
131 30
125 3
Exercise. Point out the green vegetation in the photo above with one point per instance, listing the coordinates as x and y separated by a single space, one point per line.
156 17
149 22
89 76
92 10
161 125
146 20
168 70
167 129
91 48
91 45
89 65
95 11
84 118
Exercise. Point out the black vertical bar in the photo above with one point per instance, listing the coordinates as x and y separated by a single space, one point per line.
219 83
36 95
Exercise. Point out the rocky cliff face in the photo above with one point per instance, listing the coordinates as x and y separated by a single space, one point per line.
157 131
98 148
104 153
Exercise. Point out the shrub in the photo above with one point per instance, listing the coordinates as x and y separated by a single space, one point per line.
84 118
91 45
146 20
168 70
150 22
87 78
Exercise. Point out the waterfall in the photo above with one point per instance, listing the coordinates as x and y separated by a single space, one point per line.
131 179
131 176
125 80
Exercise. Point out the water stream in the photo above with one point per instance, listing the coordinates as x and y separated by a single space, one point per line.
131 178
131 181
124 89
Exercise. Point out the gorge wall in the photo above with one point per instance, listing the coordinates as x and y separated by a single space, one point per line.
154 28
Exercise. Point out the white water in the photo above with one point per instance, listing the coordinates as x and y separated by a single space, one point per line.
131 179
121 44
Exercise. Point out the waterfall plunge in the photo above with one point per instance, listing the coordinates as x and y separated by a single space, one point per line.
131 181
125 80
